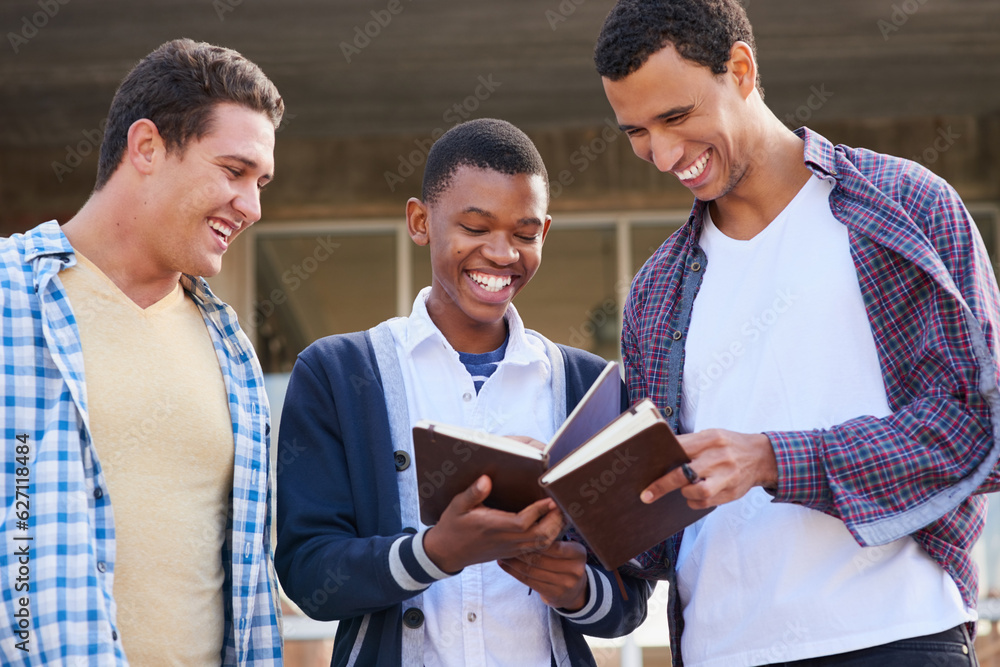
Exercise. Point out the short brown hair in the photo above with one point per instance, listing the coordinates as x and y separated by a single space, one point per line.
177 87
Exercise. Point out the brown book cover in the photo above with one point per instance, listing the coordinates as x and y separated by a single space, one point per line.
594 468
600 491
450 458
448 464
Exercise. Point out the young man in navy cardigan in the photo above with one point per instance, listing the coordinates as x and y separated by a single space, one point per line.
351 546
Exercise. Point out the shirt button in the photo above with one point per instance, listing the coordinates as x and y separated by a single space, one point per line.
402 460
466 397
696 266
114 635
98 493
413 618
246 550
677 335
472 617
102 566
668 411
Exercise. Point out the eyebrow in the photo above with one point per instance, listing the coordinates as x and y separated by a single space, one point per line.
534 222
669 113
248 163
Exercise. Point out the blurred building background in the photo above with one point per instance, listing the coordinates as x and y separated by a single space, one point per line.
370 83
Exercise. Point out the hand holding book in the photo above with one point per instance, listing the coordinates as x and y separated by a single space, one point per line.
558 573
595 468
469 533
727 465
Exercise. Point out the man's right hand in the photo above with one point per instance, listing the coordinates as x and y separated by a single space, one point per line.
470 533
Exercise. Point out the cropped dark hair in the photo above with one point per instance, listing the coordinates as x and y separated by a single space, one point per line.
486 143
177 87
702 31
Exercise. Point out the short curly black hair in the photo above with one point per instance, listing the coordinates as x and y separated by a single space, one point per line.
486 143
702 31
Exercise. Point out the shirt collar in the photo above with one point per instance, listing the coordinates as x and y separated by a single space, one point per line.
819 155
47 239
523 348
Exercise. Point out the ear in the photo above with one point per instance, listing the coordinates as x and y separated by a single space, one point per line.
743 68
144 143
417 218
545 227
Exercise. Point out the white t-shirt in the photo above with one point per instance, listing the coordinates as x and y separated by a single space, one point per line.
780 340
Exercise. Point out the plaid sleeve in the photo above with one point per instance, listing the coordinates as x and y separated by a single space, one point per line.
932 302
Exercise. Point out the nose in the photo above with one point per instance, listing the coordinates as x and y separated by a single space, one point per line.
500 250
665 151
247 203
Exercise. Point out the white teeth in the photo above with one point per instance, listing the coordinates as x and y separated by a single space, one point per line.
491 283
225 230
694 170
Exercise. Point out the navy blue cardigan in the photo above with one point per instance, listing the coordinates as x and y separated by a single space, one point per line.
338 508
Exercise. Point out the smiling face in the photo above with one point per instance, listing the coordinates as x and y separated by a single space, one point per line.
686 120
209 192
485 232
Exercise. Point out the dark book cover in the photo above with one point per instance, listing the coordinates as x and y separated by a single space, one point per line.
601 497
447 466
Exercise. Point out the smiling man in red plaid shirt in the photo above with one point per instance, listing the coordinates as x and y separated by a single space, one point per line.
823 330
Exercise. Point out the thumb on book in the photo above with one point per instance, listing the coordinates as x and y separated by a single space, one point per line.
478 492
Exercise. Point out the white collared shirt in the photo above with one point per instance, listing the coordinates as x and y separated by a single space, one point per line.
516 400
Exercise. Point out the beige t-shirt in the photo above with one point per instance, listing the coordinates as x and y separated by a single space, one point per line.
159 416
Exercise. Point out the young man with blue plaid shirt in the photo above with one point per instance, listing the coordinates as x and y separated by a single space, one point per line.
135 425
823 331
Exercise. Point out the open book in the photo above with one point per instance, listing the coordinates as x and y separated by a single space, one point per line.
594 467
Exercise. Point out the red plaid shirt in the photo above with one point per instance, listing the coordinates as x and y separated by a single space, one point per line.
933 305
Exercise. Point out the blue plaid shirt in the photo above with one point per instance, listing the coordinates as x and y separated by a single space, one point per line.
934 308
57 561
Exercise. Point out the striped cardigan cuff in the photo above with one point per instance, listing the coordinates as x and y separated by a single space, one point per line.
599 599
409 564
